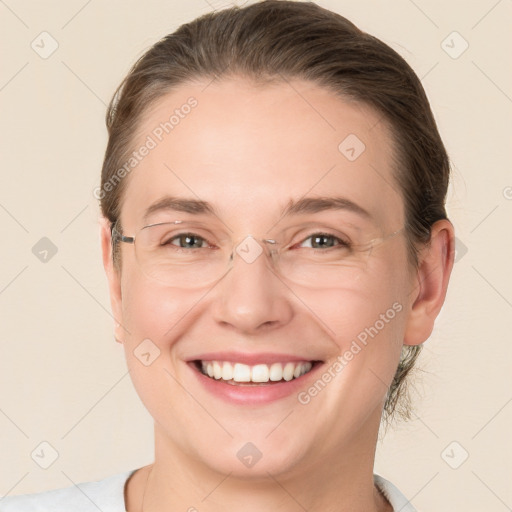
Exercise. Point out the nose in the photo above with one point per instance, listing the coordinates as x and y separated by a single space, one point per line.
251 297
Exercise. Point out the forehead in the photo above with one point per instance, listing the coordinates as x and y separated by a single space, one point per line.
249 150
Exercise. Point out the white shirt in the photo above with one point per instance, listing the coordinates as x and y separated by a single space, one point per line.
107 495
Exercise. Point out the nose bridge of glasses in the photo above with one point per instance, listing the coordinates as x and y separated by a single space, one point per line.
250 248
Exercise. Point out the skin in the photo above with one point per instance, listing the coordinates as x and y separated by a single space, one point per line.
248 150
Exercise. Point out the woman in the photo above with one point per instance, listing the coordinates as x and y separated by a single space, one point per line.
277 250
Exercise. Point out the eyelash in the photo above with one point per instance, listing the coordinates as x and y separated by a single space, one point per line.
340 242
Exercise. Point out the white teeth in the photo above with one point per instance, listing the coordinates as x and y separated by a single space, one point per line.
227 371
260 373
239 372
288 371
276 372
217 370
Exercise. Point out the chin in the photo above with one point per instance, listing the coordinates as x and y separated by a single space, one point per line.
254 460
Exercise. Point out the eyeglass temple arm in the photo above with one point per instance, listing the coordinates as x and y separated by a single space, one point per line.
116 236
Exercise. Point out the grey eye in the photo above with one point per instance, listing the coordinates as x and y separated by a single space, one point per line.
324 240
188 241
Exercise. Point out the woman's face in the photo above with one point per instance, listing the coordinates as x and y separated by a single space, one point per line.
248 152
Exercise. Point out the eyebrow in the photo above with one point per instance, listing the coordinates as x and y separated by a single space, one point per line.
320 204
294 207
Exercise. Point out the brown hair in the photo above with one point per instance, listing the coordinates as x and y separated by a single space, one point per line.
275 40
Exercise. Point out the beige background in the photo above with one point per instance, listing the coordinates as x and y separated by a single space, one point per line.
63 379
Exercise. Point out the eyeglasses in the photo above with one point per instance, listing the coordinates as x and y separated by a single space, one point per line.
186 254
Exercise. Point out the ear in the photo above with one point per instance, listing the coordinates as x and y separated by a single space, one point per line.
114 278
431 282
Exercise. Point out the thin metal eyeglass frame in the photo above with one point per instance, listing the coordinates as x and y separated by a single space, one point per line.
117 236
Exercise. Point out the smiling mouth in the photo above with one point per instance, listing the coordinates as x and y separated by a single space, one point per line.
239 374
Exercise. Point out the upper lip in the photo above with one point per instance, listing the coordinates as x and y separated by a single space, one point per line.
250 359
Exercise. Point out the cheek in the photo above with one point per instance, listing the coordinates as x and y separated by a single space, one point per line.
366 328
155 318
151 311
382 321
367 324
378 297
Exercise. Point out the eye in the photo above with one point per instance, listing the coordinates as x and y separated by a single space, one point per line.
187 241
324 241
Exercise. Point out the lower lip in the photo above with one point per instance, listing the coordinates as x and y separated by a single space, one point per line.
257 394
